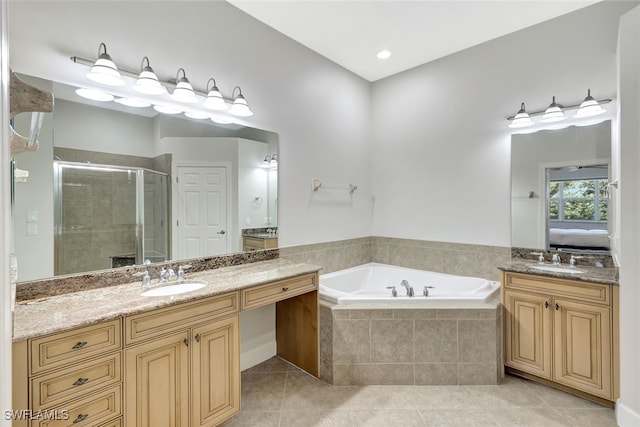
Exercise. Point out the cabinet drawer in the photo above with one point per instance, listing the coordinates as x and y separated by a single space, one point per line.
266 294
114 423
79 344
93 410
68 384
583 291
153 323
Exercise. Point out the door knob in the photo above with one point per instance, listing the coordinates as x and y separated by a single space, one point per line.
221 232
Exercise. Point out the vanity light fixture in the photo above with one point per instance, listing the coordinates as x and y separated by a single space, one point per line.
132 102
553 113
383 54
220 120
214 100
165 109
521 119
147 82
94 95
589 107
183 91
270 162
104 70
240 106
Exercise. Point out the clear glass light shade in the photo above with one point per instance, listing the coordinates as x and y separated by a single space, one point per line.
589 107
94 95
132 102
148 83
214 100
184 92
104 71
553 114
240 107
164 109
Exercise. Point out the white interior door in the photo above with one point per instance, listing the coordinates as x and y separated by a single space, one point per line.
202 211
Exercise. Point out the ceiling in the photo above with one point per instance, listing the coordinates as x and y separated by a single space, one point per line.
351 32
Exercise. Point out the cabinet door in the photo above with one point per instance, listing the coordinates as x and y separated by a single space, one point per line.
157 383
215 372
583 347
528 333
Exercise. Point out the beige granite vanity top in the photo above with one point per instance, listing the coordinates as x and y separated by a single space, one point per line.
34 318
591 274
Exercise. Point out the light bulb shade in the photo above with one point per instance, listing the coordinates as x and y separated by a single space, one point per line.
148 82
521 119
214 100
94 95
132 102
184 91
104 70
195 115
240 107
589 107
165 109
553 113
221 120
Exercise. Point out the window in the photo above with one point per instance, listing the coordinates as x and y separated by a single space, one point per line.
578 200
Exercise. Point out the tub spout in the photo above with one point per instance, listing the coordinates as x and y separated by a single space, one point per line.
408 287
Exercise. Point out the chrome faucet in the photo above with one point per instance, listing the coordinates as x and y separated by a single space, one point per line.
574 258
166 274
408 287
555 259
394 293
181 270
425 291
540 256
146 280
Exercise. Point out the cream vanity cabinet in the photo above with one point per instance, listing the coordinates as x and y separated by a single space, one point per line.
182 364
563 332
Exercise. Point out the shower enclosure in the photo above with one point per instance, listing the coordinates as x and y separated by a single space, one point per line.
108 216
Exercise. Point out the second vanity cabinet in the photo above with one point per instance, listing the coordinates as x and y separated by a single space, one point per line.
562 331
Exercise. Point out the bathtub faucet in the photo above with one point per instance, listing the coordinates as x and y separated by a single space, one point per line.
408 287
394 293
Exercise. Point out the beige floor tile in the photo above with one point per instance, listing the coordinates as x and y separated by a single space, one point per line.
444 397
390 418
558 398
262 391
254 418
599 417
381 398
315 418
528 417
303 392
457 418
275 364
511 393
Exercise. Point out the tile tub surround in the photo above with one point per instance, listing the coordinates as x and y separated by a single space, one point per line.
453 258
60 285
367 345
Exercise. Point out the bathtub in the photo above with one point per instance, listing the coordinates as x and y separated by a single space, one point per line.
368 283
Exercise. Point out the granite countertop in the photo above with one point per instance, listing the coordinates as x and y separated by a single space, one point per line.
591 274
38 317
260 235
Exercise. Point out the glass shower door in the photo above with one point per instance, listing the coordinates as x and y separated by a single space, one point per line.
96 217
156 224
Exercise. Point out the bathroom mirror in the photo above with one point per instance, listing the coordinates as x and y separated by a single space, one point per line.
110 184
559 189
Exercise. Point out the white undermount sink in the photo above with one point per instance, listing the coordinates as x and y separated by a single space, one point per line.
178 288
556 269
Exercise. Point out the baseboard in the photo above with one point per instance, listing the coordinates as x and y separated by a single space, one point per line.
257 355
625 416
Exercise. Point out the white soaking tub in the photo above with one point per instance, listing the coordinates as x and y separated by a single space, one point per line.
368 283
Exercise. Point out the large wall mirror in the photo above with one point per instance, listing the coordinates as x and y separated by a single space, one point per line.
112 185
559 189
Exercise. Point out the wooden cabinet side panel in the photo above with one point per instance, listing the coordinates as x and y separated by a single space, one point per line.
157 383
20 379
215 372
297 331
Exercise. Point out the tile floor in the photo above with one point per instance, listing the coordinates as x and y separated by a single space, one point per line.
278 394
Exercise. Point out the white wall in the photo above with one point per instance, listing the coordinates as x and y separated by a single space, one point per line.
253 184
441 149
628 408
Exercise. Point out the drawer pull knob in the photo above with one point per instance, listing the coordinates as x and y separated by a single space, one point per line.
186 342
80 418
197 337
557 307
285 289
81 381
79 344
546 304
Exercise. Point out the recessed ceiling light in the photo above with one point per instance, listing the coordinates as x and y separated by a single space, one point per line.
383 54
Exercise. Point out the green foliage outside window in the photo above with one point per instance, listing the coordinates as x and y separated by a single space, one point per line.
578 200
